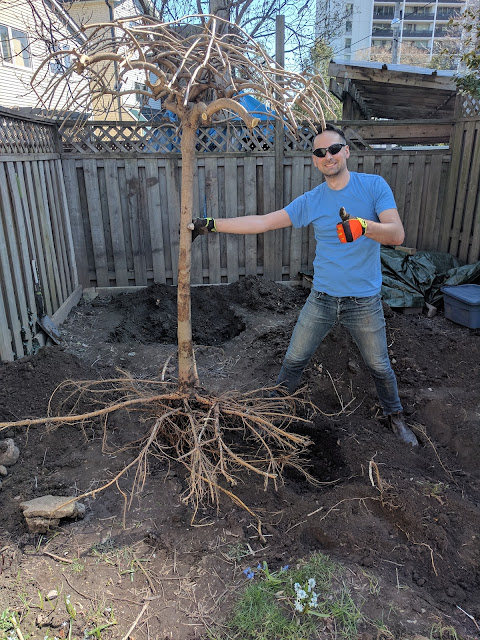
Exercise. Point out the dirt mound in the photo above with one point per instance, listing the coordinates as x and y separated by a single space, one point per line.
404 520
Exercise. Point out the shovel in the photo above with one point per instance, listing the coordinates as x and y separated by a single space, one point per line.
43 321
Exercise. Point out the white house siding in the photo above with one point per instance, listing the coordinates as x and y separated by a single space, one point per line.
95 11
15 89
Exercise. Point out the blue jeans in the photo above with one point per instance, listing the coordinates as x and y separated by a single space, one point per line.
363 317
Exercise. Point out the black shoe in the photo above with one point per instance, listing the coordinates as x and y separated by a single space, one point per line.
400 429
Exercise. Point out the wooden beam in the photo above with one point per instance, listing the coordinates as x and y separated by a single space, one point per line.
391 77
401 132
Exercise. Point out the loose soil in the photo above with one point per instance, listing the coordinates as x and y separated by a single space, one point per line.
404 523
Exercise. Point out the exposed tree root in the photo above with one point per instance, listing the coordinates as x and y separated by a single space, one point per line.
215 438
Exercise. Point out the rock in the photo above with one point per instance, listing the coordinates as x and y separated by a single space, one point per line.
51 595
3 470
41 525
9 452
41 514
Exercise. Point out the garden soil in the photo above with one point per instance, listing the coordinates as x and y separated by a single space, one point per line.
403 523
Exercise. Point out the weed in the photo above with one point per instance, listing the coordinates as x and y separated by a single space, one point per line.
373 583
77 566
441 632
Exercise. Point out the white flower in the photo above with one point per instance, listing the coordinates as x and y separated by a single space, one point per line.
311 584
299 606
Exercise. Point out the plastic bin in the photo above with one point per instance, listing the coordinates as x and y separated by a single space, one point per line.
462 304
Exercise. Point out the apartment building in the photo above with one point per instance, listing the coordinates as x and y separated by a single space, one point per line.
387 25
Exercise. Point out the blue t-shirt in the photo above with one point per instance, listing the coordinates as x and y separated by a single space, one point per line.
352 268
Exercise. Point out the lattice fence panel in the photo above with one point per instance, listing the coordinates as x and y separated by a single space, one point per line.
470 106
164 137
24 136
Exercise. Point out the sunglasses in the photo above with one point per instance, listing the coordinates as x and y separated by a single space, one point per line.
333 149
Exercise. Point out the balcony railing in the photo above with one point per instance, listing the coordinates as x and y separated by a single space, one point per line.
376 33
447 16
418 16
448 33
406 33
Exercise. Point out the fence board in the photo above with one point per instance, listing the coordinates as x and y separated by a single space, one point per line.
413 217
54 226
67 229
272 267
135 215
173 199
35 213
92 194
76 220
250 189
211 202
231 207
18 240
116 222
430 215
471 197
296 235
16 248
198 212
462 186
154 213
8 276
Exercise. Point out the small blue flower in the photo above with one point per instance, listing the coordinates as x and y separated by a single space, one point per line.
311 584
285 568
248 573
259 565
299 606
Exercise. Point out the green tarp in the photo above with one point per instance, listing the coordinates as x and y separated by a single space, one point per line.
416 280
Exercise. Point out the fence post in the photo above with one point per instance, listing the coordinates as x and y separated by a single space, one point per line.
279 133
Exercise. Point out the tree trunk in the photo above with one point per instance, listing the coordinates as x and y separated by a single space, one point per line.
187 369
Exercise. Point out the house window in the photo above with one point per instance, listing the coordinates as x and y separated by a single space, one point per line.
349 9
140 97
60 63
14 47
348 44
348 26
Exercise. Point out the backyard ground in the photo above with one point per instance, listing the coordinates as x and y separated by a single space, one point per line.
404 524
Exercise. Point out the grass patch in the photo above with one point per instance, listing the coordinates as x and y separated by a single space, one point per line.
293 604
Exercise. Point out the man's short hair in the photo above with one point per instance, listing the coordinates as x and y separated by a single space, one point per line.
337 130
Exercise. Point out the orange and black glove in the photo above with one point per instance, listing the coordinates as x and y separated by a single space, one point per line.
351 229
202 226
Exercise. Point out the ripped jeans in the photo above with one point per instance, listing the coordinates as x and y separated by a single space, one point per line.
363 317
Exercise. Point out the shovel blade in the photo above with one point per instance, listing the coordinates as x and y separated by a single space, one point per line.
50 328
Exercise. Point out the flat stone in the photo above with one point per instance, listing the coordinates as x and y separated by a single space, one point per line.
3 470
51 507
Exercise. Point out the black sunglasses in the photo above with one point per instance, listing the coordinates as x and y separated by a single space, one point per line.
321 152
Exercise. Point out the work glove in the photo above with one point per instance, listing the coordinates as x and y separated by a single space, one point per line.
201 226
351 229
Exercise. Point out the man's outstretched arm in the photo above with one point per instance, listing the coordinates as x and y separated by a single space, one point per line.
242 224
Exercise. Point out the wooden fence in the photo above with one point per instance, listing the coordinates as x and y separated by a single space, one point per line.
34 226
101 208
460 232
125 211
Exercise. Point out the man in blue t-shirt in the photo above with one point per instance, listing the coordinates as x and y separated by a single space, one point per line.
347 270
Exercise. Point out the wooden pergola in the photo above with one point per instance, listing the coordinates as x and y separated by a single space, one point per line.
372 91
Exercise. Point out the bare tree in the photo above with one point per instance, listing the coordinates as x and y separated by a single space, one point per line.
306 21
199 67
